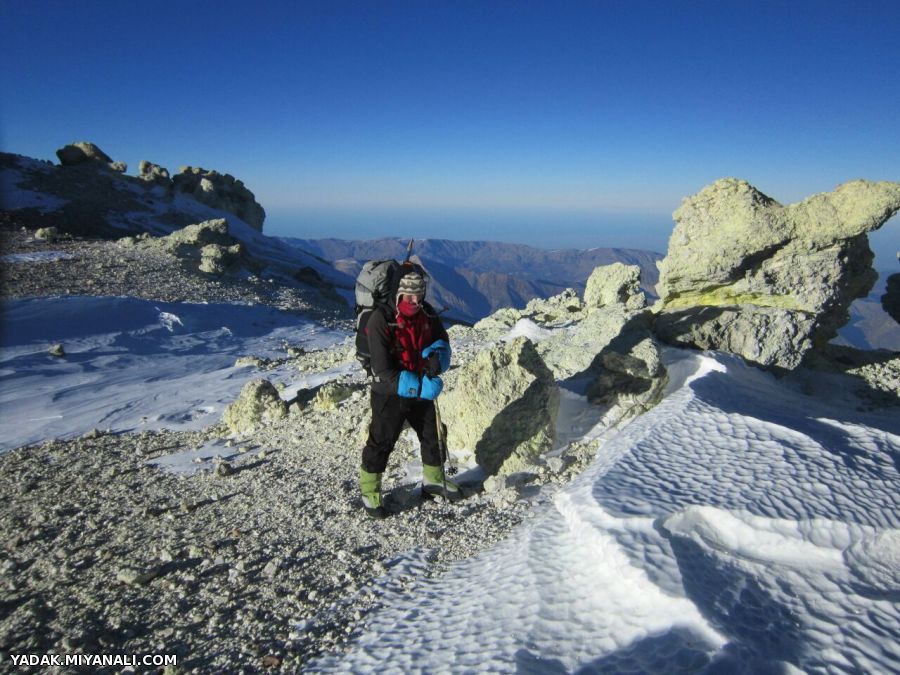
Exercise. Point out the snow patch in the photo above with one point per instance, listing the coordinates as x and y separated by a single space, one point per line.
132 364
527 328
12 196
34 257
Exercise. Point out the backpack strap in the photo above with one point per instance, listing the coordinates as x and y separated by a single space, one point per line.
362 335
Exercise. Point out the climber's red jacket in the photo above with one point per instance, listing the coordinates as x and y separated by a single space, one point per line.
396 343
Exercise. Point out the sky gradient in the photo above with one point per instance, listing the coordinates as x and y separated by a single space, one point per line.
556 124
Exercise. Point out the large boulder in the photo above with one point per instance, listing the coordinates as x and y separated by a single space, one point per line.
81 152
89 154
217 260
630 374
747 275
767 336
154 173
258 404
221 191
502 406
570 352
613 353
558 310
602 344
198 235
616 284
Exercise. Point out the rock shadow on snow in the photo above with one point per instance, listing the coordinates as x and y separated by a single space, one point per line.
679 650
761 629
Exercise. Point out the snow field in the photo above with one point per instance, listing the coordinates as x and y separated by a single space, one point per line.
736 527
133 364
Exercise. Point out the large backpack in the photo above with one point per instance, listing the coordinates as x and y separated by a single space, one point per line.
374 285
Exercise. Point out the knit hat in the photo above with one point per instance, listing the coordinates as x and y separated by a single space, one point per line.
412 283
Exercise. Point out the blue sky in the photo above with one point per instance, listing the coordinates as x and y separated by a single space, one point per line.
550 123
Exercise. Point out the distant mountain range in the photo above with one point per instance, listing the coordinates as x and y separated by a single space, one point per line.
475 278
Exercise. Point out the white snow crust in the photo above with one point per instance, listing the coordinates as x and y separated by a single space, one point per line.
33 257
134 364
13 196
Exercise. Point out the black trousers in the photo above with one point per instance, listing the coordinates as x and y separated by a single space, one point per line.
389 411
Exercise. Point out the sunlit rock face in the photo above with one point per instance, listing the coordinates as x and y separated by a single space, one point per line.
616 284
502 405
221 191
768 282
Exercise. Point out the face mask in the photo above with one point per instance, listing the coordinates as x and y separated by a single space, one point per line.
407 308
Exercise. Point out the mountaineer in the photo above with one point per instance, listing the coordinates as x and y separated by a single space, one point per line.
408 349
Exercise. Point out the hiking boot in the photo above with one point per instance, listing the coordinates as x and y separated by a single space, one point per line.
370 490
436 484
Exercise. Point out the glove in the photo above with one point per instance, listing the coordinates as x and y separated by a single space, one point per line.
433 365
409 384
431 387
442 351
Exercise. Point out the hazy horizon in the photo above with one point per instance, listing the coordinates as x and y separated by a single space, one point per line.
550 231
616 231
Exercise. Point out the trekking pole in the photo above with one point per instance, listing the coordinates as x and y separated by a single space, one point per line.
408 251
442 444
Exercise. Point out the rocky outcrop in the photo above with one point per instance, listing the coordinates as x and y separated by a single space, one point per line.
221 191
81 152
218 260
570 353
88 153
615 353
603 345
559 310
764 335
747 275
502 406
258 404
154 173
46 233
628 372
208 245
615 284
